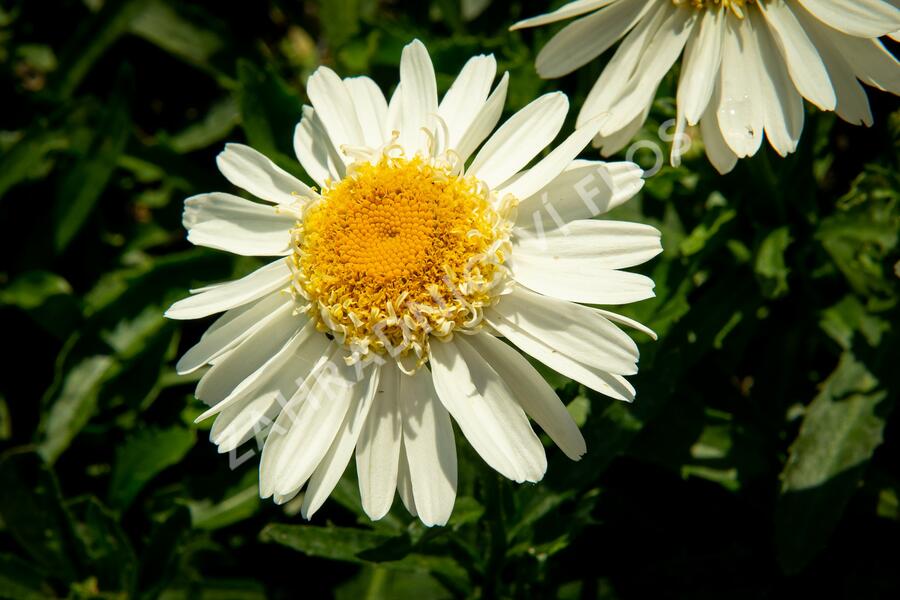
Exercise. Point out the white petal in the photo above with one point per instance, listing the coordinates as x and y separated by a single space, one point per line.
404 482
394 111
230 223
781 103
567 11
466 97
430 448
533 393
332 102
679 146
520 139
378 449
586 38
334 463
244 321
253 413
583 190
616 75
740 112
623 320
576 331
613 143
484 122
549 167
718 152
306 427
418 97
700 65
315 151
596 245
860 18
302 353
852 103
371 109
606 383
242 422
245 363
221 297
248 169
871 61
656 60
803 61
577 284
483 407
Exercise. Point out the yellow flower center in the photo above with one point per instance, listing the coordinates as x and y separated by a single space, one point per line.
397 251
735 6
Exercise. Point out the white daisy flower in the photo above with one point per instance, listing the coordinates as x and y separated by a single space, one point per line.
746 66
381 317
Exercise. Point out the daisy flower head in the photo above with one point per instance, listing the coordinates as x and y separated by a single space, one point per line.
379 321
746 65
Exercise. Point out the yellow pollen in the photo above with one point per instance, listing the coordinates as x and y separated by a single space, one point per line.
397 251
735 6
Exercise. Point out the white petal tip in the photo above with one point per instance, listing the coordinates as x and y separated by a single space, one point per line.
434 522
211 412
429 524
373 514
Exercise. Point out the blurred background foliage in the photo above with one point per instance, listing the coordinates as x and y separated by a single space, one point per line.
760 459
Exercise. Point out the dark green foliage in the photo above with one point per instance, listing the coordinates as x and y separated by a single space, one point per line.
761 457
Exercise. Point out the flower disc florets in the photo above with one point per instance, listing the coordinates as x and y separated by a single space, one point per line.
397 251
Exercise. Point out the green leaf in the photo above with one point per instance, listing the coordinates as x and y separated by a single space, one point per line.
215 126
81 188
143 456
217 589
841 430
108 554
74 404
48 299
31 289
849 317
337 543
5 420
164 26
93 359
377 583
715 221
18 163
270 110
451 13
235 508
162 552
771 269
888 504
34 514
466 510
472 8
540 505
340 20
862 236
579 408
360 546
20 581
91 40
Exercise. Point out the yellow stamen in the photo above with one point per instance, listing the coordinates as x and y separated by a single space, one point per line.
735 6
